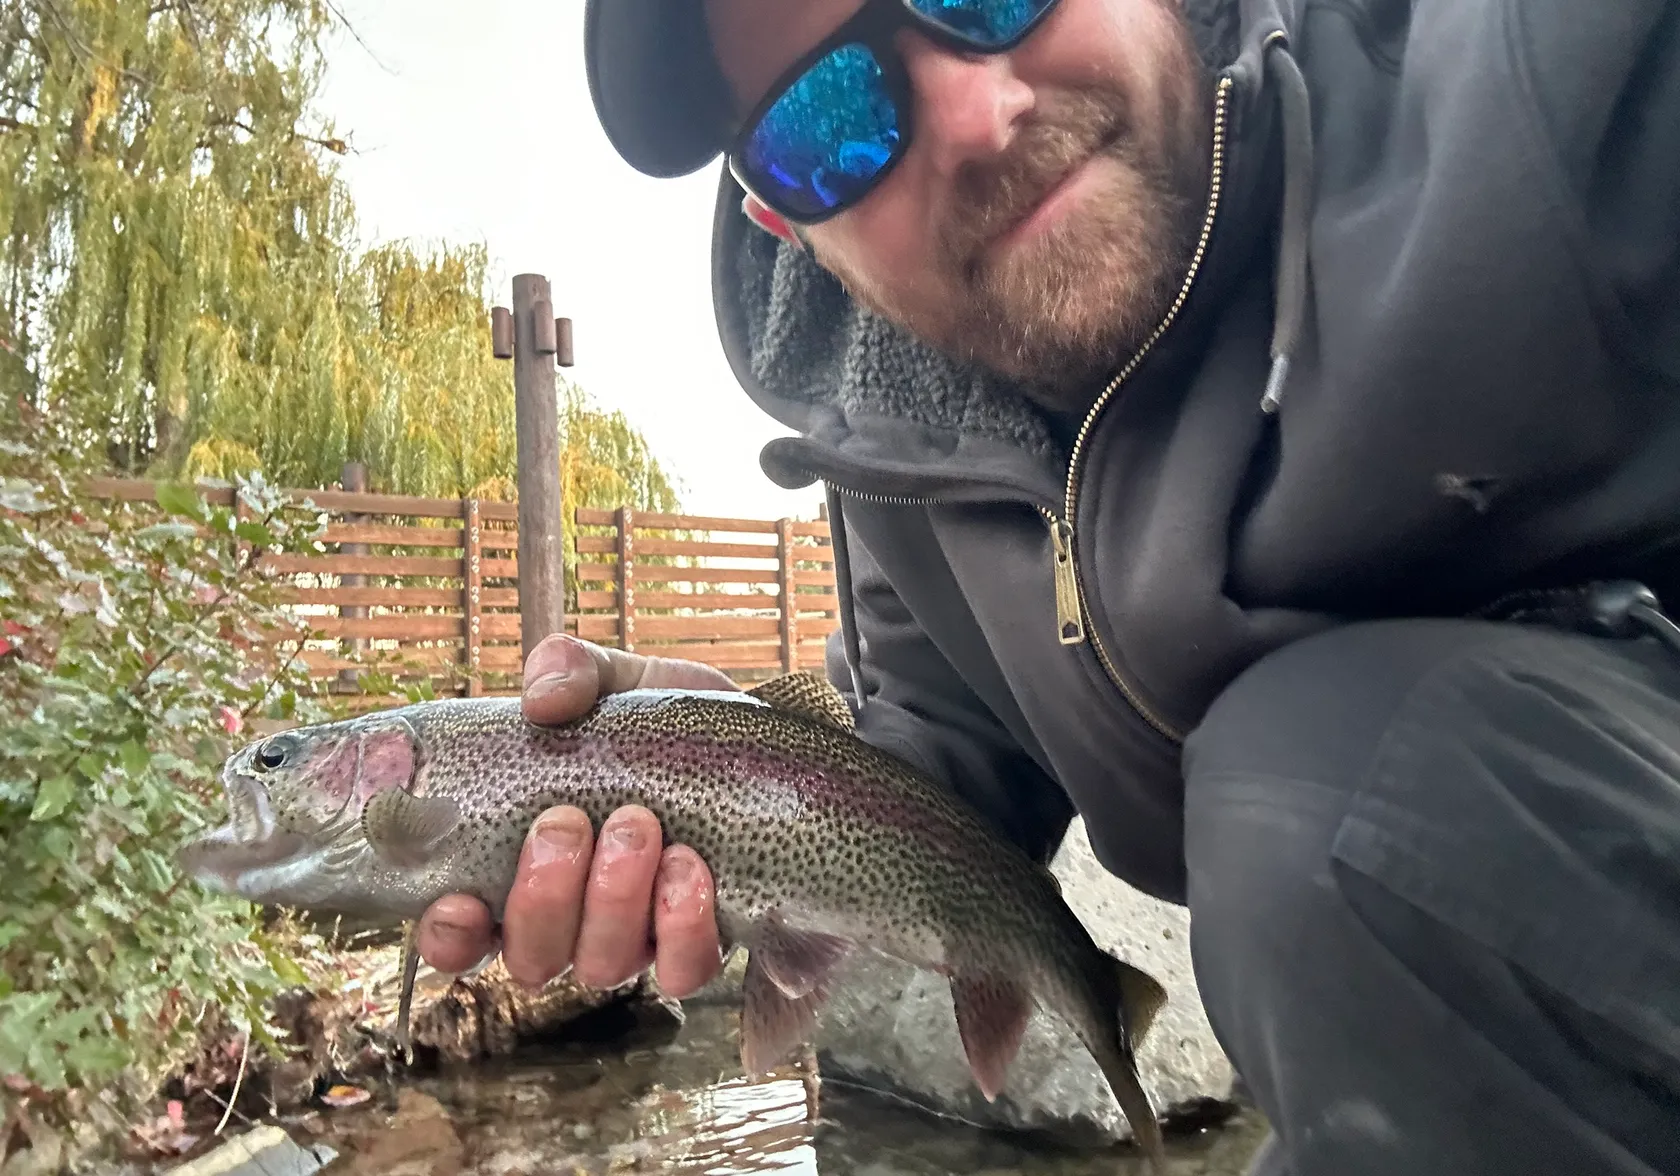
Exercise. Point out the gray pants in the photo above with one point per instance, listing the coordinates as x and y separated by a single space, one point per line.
1435 900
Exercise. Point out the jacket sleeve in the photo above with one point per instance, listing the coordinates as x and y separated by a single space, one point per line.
920 709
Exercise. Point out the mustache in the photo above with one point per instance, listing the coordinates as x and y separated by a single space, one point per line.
989 198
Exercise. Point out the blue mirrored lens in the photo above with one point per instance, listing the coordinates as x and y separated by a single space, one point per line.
984 22
827 137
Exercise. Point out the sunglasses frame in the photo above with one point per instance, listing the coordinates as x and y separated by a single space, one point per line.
874 27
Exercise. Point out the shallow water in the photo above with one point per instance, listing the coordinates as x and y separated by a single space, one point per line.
661 1098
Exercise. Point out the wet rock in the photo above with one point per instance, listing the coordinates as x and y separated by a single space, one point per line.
891 1027
262 1151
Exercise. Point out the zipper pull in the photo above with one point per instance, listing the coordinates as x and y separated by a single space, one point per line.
1070 622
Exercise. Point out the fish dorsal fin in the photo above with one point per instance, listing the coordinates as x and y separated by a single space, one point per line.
810 695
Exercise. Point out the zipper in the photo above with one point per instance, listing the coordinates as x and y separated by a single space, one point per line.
1071 604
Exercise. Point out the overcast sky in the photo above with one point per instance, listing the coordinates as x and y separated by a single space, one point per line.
472 122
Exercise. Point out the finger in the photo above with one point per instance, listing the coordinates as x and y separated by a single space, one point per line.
455 933
612 943
685 932
541 922
672 673
561 681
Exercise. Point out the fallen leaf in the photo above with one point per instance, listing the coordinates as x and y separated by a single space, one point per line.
345 1096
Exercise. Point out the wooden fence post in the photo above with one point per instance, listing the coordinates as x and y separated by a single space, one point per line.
626 578
471 605
353 478
542 568
790 607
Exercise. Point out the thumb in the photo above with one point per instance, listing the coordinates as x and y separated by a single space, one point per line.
565 676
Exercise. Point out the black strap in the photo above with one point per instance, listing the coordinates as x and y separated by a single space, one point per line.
1603 608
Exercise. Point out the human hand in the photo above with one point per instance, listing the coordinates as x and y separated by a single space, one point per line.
609 907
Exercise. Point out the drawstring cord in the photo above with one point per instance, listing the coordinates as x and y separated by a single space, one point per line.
1291 292
843 587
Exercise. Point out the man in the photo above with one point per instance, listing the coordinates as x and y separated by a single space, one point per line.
1256 428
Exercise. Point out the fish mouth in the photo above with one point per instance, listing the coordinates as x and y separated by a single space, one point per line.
230 858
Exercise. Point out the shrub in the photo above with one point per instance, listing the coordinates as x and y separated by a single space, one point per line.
131 660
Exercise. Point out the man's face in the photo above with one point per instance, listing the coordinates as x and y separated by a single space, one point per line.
1051 199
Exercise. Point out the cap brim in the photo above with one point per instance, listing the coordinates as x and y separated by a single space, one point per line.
656 86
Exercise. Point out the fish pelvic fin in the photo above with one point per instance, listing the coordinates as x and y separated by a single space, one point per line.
796 961
992 1013
809 695
786 985
772 1022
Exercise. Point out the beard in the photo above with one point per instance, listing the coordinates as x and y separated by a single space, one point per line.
1056 313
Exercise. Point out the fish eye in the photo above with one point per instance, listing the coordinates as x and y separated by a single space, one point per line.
273 754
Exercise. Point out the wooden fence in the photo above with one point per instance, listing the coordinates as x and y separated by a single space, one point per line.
428 588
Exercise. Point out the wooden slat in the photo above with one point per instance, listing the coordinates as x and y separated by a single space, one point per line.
658 574
713 625
500 626
815 602
369 565
405 626
654 521
387 597
325 663
707 549
704 601
814 579
392 536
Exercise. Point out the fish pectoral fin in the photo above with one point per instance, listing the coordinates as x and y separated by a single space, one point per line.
992 1013
809 695
773 1023
406 830
794 960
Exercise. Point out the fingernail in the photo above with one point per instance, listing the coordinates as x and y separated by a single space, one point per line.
676 875
625 836
450 931
555 840
547 684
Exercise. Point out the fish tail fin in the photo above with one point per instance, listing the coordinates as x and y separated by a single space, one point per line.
1138 998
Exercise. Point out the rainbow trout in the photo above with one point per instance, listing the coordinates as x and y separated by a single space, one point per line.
819 845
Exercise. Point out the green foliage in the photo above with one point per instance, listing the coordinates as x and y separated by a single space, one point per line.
178 257
132 658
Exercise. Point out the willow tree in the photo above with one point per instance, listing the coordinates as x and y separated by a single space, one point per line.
179 268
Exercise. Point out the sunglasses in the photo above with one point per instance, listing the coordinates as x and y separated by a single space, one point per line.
836 122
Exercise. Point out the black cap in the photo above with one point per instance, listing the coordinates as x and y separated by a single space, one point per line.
657 89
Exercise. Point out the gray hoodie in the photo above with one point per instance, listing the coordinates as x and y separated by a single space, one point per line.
1445 243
